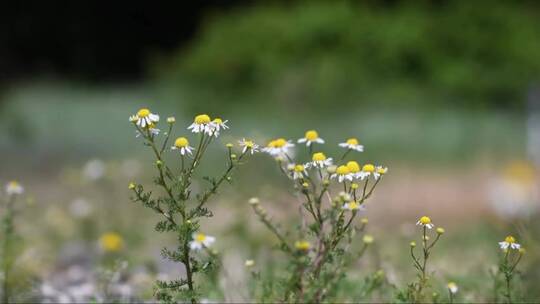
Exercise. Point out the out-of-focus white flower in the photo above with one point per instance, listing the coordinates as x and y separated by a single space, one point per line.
319 160
94 169
200 241
425 221
217 125
144 117
248 145
202 124
310 137
14 188
452 287
352 206
278 147
182 145
379 172
342 174
299 171
509 242
352 144
80 208
367 170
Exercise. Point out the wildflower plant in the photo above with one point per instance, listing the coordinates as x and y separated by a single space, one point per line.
9 251
331 192
417 291
180 208
512 254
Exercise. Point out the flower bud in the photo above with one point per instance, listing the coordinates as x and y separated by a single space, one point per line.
249 263
440 230
413 244
131 186
368 239
364 221
159 163
229 145
171 120
253 201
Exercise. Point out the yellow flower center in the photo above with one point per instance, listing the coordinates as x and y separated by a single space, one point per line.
298 168
202 119
200 237
342 170
111 241
218 121
353 205
510 239
302 245
319 156
13 184
382 170
181 142
368 168
143 113
249 144
280 142
352 141
312 135
425 220
353 166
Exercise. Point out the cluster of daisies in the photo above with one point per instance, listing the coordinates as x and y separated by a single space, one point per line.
280 148
146 124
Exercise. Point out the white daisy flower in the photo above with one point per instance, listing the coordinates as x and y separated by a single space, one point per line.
182 144
352 144
278 147
144 118
310 137
14 188
367 170
342 174
319 160
354 169
509 242
352 206
452 287
426 222
248 146
379 172
217 125
202 124
299 172
201 241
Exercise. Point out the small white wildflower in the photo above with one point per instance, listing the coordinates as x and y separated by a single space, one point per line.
14 188
144 118
319 160
182 145
352 144
201 241
452 287
248 145
310 137
426 222
278 147
342 174
202 124
509 242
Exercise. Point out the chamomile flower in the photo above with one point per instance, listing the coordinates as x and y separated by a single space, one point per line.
217 125
144 118
342 174
354 169
425 221
202 124
509 241
200 241
310 137
14 188
151 127
248 145
299 172
452 287
319 160
182 145
278 147
379 172
367 170
352 144
352 206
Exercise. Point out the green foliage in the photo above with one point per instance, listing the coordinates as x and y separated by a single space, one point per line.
337 53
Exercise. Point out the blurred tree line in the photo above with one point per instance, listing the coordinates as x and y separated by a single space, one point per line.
329 54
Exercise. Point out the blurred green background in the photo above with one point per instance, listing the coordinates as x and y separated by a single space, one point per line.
442 92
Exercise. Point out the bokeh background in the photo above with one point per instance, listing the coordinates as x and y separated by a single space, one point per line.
444 93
